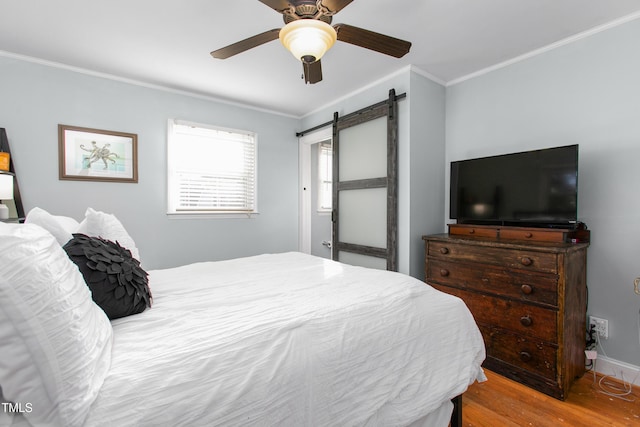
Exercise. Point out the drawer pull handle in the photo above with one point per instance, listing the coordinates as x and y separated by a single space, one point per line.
526 261
526 289
444 251
528 235
472 231
444 272
526 321
525 356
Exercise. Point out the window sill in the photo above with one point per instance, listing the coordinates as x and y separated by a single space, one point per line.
211 215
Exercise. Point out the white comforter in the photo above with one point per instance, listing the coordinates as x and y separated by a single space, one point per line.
287 340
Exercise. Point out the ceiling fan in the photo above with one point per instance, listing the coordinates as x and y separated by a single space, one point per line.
308 34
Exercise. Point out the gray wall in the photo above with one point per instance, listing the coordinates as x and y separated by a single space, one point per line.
426 165
35 98
586 93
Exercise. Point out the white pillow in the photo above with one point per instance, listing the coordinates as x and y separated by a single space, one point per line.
107 226
61 227
55 341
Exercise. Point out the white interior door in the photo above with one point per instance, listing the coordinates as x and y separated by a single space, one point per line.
314 224
321 198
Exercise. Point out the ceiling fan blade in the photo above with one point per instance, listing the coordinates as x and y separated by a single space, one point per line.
335 6
246 44
312 72
371 40
278 5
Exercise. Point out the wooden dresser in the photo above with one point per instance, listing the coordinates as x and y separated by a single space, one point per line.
528 298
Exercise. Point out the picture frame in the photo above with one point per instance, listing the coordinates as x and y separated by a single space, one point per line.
87 154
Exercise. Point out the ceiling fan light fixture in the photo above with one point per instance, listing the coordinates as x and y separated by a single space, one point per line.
308 39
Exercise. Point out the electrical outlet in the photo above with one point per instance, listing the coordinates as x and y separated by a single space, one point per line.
601 326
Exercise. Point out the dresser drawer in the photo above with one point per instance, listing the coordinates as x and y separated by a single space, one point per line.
539 288
473 231
510 258
526 319
539 235
534 356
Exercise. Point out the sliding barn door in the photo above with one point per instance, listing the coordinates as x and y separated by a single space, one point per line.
364 229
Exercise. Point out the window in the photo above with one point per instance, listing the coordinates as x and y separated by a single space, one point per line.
325 178
211 170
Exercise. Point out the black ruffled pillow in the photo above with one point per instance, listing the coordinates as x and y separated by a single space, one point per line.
118 284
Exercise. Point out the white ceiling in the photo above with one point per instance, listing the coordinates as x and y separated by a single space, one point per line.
167 42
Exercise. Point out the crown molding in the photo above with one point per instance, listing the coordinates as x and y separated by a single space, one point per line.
427 75
140 83
544 49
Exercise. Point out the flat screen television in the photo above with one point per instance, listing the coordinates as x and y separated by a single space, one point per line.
536 188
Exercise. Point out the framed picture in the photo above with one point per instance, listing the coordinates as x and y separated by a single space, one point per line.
97 155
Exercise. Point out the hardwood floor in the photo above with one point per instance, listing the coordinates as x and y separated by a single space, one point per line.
502 402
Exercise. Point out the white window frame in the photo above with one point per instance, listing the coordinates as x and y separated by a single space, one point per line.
173 208
324 147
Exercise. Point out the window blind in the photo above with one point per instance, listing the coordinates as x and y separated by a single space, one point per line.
212 170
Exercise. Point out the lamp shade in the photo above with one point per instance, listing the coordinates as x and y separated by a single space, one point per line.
6 186
308 39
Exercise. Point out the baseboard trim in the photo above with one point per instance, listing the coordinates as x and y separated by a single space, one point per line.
617 369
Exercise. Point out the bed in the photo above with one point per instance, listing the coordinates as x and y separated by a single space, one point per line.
270 340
